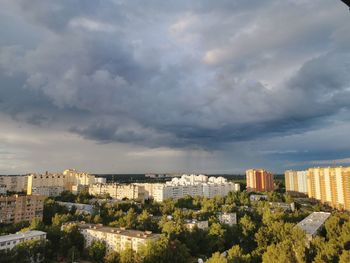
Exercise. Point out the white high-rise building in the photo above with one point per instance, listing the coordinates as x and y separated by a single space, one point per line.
190 185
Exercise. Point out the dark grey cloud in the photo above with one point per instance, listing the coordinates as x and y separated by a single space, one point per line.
200 74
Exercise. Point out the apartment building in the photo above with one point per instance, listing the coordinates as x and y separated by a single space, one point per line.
119 191
259 180
67 180
131 192
14 209
12 240
227 218
296 181
47 190
116 239
330 185
104 189
15 183
190 185
191 224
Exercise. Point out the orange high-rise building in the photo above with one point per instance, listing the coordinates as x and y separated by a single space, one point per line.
259 180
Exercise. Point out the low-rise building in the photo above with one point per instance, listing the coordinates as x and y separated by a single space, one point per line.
254 197
116 239
14 209
191 224
313 223
80 208
12 240
228 218
283 206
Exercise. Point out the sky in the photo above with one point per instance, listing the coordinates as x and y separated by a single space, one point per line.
120 86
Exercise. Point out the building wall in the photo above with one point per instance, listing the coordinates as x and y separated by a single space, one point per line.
66 180
20 208
259 180
12 240
330 185
16 183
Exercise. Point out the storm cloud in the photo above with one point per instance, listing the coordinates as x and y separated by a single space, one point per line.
200 75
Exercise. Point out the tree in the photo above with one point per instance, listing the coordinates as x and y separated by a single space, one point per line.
279 253
165 250
217 258
145 221
235 255
29 251
217 237
129 256
72 241
112 257
345 257
97 251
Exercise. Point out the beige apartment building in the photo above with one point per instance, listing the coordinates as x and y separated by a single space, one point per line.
116 239
14 209
119 191
16 183
296 181
330 185
68 179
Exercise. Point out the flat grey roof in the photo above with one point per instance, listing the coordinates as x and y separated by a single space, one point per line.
28 234
313 222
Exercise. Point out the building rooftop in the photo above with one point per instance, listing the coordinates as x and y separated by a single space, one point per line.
19 235
313 222
120 231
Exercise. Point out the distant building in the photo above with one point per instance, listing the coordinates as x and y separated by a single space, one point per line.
259 180
104 189
12 240
47 190
190 185
119 191
191 224
228 218
3 189
116 239
283 206
67 180
254 197
100 180
15 183
14 209
330 185
81 208
296 181
313 223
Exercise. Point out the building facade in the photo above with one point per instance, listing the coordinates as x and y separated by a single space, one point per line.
296 181
12 240
67 180
190 185
228 218
330 185
259 180
116 239
16 183
14 209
